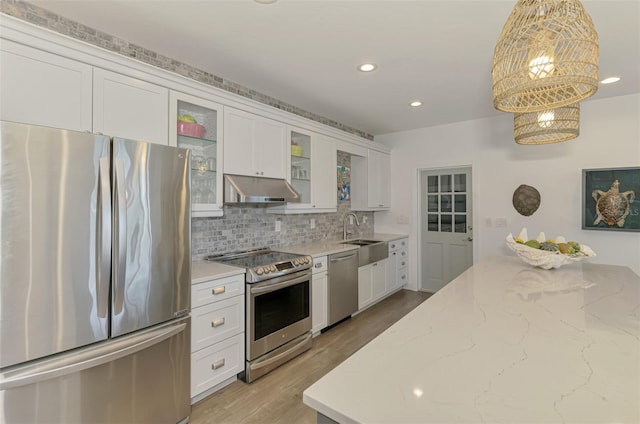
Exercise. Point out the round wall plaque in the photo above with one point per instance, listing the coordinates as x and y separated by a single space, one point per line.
526 200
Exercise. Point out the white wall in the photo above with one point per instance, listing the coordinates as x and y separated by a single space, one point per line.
609 137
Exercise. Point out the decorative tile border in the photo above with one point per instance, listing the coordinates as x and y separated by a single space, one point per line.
41 17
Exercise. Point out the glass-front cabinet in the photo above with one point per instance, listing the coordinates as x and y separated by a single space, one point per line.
196 124
311 171
300 170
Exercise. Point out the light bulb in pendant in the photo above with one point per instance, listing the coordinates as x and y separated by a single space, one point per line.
545 119
541 67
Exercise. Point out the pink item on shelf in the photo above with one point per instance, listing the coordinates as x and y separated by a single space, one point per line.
191 129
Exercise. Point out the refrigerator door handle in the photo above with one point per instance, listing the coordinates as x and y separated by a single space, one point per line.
120 234
88 358
103 245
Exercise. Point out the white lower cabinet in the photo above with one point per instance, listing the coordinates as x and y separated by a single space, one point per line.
372 283
217 334
215 364
319 305
397 274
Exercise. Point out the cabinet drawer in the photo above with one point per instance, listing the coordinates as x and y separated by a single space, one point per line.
215 290
403 262
319 264
403 256
216 322
398 244
216 363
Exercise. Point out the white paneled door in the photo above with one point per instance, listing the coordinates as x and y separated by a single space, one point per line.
446 238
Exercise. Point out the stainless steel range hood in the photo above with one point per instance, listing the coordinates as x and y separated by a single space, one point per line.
243 189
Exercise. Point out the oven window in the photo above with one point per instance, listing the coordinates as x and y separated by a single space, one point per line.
281 308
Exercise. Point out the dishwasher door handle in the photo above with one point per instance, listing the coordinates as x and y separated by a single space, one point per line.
344 258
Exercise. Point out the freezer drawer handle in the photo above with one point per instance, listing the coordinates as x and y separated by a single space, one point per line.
219 290
217 364
318 265
88 358
217 322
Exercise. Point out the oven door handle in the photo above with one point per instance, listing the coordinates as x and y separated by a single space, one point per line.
277 286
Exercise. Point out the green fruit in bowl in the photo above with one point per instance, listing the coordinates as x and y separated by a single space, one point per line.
532 243
187 118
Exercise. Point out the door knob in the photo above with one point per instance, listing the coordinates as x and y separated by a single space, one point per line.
469 238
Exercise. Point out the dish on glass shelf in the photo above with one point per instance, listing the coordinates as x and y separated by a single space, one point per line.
548 253
191 129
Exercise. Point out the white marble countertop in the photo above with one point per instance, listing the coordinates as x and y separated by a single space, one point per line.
328 247
502 343
202 271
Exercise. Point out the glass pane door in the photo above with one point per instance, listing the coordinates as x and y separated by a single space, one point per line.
301 165
197 128
447 203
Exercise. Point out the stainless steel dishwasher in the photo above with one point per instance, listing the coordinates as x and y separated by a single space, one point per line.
342 285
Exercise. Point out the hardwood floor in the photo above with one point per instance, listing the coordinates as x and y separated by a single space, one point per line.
277 397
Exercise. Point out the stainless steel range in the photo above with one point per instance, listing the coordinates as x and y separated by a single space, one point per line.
278 306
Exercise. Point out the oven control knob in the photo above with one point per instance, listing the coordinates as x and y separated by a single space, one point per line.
296 261
259 271
273 268
307 260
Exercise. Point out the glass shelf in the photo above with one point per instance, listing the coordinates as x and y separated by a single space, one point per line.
200 142
196 171
299 157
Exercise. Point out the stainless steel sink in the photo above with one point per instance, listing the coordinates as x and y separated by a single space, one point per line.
370 251
361 242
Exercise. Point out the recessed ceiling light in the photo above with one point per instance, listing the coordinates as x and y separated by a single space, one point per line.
610 80
265 1
367 67
415 103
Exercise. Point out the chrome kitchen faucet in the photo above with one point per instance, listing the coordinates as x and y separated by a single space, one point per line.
344 224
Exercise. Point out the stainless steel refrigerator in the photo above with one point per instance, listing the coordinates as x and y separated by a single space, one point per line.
95 278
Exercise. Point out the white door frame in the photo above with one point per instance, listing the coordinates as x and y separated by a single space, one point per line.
418 211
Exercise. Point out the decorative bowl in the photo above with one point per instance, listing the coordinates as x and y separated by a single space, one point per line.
191 129
545 259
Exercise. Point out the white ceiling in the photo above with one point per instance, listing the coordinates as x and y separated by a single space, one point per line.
305 52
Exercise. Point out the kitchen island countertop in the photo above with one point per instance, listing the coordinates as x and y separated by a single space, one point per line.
329 247
503 342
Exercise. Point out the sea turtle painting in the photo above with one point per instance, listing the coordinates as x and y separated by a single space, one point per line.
612 206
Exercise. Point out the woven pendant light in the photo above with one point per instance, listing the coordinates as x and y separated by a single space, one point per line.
549 126
546 57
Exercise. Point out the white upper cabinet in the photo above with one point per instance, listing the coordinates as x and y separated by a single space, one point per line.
370 181
44 89
196 124
312 172
254 145
127 107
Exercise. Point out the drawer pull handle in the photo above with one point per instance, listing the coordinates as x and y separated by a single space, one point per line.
217 322
403 263
318 265
404 253
219 290
403 277
217 364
